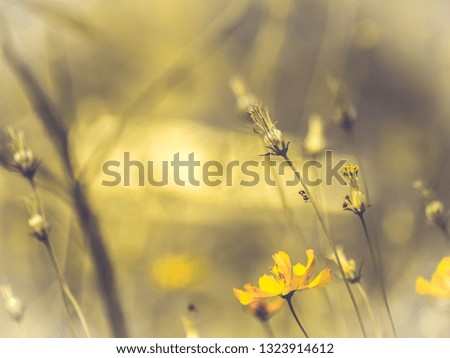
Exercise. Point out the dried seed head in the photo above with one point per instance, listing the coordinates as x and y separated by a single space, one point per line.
273 138
16 156
434 208
349 266
36 221
12 303
315 141
436 213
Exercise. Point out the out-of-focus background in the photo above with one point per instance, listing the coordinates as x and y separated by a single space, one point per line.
152 78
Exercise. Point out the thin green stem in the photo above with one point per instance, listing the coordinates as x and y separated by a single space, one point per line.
378 272
330 241
289 301
369 308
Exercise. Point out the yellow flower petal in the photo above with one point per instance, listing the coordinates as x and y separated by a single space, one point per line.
444 266
424 287
300 270
283 267
323 278
270 285
244 297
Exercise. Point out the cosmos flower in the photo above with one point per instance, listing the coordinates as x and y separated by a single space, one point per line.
285 280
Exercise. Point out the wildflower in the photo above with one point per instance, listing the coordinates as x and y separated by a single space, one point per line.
356 200
315 140
434 208
12 303
344 111
439 285
285 280
349 266
272 136
244 99
16 155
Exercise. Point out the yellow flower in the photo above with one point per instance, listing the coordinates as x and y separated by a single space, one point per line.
285 279
439 285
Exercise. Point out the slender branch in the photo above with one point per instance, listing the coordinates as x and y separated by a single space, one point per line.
289 301
330 241
378 271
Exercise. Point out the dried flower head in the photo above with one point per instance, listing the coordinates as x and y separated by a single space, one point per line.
273 138
315 141
434 208
352 274
344 112
439 286
36 221
12 303
244 98
15 155
356 200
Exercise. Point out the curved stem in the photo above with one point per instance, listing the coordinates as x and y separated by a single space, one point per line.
330 241
378 272
289 301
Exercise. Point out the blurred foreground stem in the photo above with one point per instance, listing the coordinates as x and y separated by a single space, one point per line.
57 130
